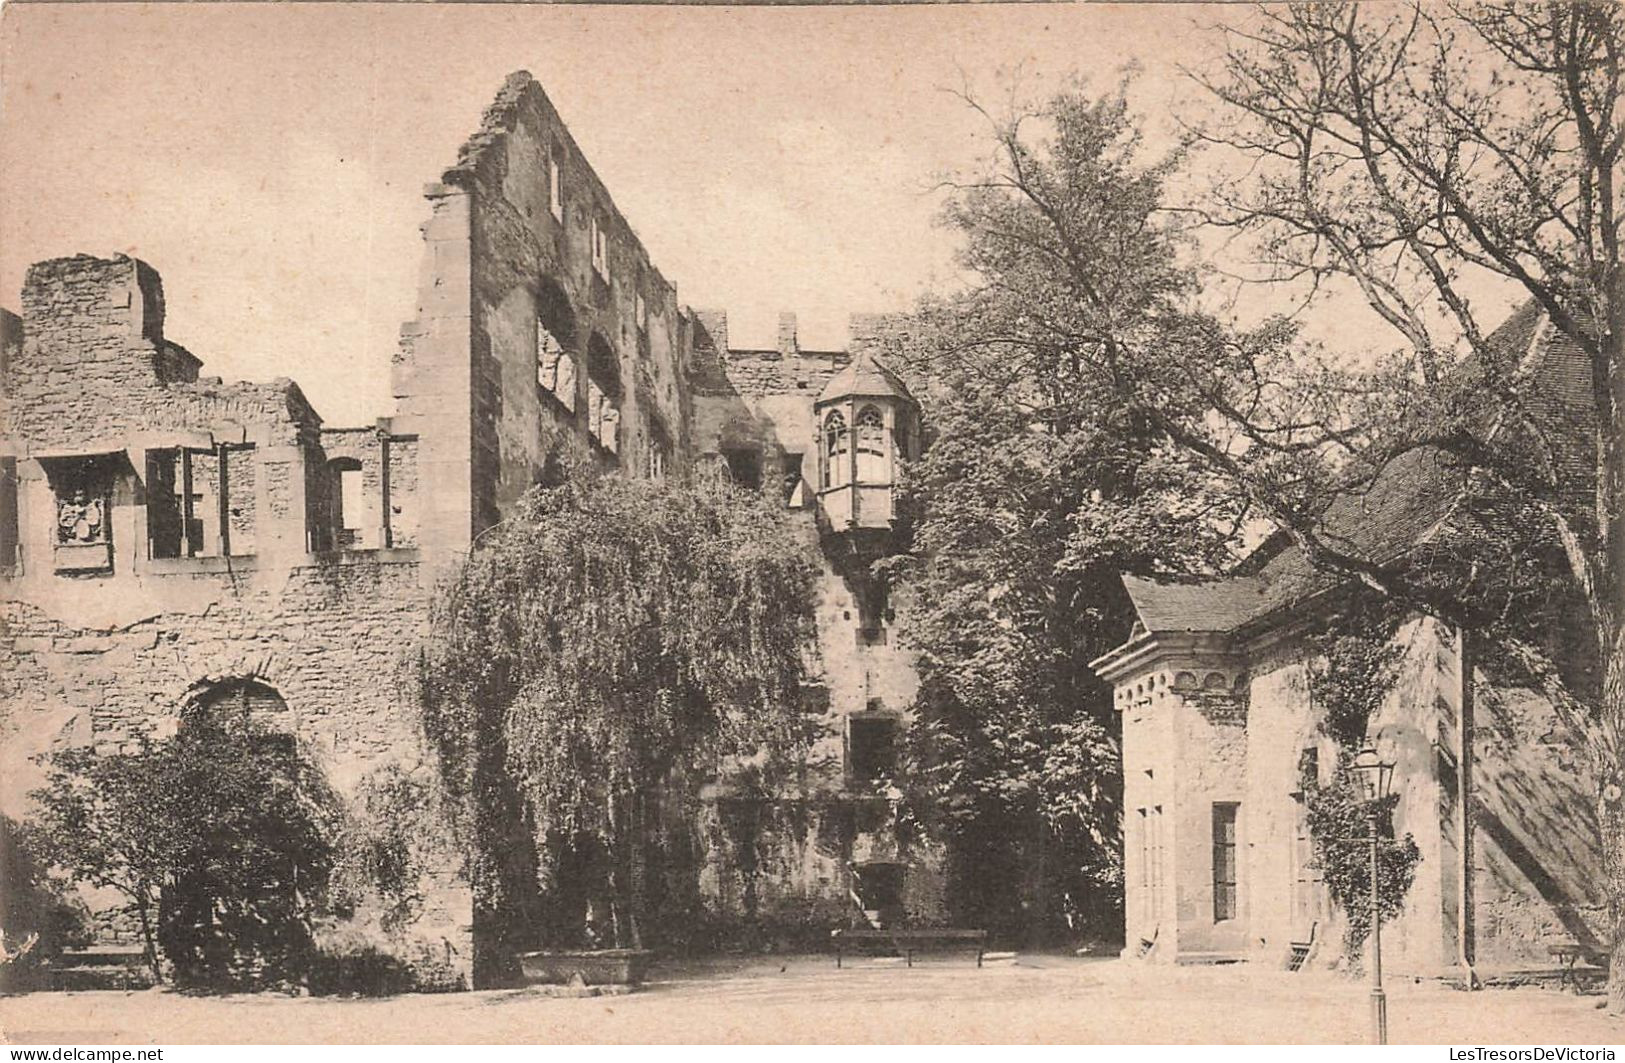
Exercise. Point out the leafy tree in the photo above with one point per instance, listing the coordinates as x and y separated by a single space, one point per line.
608 642
38 914
1039 487
220 839
1424 154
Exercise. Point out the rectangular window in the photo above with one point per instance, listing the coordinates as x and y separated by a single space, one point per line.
871 746
795 489
9 531
555 368
1307 888
600 250
1224 860
640 311
1309 768
745 466
555 188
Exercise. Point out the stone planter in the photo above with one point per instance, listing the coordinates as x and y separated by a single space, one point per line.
591 966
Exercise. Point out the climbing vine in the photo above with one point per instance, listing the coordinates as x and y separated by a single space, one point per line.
1355 668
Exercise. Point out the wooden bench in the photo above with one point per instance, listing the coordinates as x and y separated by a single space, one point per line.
909 941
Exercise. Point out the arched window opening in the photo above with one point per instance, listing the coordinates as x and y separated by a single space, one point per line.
345 502
234 703
874 464
837 467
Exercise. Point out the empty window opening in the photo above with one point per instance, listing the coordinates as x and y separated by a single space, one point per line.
200 503
600 250
9 535
344 476
871 746
1224 861
556 367
659 451
744 466
555 188
603 394
1309 768
795 488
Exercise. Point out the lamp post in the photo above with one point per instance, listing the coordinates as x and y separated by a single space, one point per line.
1375 778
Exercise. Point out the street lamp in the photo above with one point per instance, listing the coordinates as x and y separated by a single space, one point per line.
1375 777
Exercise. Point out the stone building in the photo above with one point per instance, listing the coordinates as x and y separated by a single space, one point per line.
1222 742
169 541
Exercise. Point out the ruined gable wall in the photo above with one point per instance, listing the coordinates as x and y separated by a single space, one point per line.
500 254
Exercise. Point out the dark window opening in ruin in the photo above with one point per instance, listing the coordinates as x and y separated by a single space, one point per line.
1308 768
874 609
10 539
871 746
166 522
556 369
878 885
200 503
600 250
603 395
795 487
837 464
346 502
874 463
1224 860
83 514
234 702
659 461
744 466
10 532
814 698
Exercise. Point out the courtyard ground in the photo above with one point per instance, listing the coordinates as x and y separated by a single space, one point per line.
806 999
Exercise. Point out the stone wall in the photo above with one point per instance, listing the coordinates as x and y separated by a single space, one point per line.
329 637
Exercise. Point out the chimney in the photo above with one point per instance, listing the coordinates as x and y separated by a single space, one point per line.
788 347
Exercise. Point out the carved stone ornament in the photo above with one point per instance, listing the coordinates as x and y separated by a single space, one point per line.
81 519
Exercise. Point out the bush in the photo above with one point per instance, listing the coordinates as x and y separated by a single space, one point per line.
221 840
33 905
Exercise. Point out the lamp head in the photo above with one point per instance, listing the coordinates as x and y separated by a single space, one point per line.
1374 775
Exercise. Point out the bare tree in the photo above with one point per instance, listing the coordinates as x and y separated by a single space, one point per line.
1420 153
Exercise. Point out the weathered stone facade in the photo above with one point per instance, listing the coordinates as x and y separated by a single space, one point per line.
163 534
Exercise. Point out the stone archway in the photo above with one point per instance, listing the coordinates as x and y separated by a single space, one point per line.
252 865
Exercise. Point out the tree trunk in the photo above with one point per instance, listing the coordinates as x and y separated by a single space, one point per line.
148 937
1611 821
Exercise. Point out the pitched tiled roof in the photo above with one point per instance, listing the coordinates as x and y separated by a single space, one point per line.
1397 509
866 375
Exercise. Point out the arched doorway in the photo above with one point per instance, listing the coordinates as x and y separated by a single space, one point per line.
250 869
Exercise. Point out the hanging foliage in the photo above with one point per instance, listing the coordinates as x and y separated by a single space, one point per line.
609 637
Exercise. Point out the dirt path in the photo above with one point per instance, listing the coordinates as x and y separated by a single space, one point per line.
1044 999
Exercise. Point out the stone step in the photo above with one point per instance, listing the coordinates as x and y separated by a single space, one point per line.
108 976
102 956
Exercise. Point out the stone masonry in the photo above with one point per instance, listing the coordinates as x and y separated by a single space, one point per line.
164 535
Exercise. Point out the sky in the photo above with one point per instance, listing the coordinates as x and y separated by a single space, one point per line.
269 159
